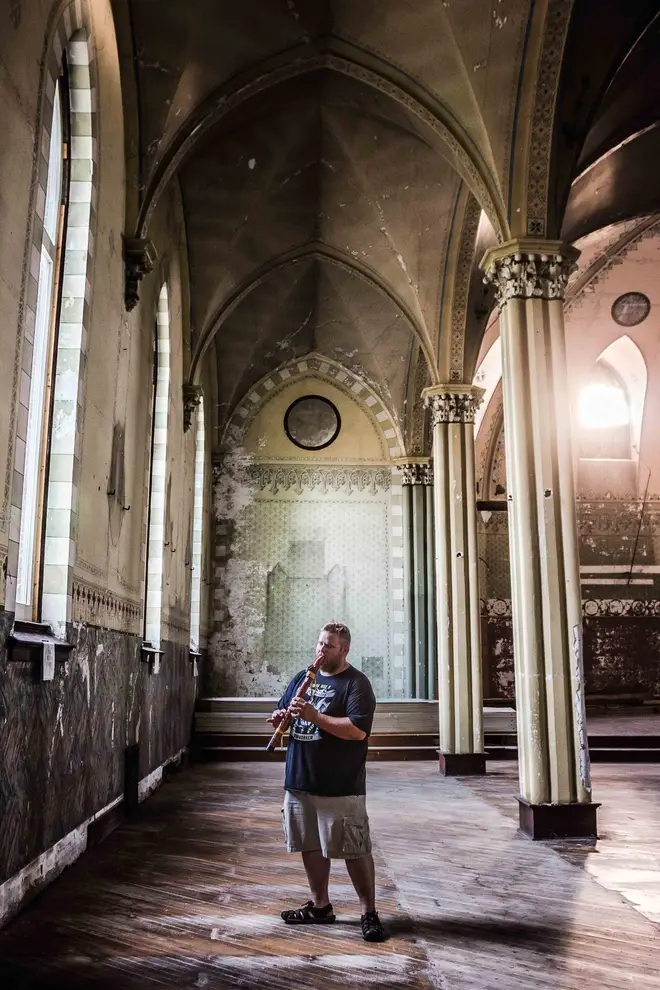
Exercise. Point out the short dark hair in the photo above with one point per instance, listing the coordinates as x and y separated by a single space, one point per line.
341 630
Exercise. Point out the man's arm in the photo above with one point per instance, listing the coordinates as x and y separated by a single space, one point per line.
343 728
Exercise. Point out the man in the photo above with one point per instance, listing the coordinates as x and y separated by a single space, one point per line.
325 814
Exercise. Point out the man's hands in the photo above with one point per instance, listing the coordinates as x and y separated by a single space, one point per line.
277 716
300 708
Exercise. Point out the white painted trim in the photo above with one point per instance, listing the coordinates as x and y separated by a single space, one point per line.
620 569
590 581
51 863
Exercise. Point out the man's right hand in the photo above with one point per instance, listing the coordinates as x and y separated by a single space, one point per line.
277 717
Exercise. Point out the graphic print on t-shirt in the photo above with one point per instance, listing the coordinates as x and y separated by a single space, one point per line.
320 698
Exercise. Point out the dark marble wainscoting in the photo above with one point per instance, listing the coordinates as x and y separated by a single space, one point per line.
621 655
63 742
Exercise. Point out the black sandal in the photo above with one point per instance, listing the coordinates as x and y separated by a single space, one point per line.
372 929
309 915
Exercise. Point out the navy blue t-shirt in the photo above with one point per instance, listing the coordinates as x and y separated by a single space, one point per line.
316 761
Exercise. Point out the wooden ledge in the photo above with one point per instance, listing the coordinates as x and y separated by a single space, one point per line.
35 643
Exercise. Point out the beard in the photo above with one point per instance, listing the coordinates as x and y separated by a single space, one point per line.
332 665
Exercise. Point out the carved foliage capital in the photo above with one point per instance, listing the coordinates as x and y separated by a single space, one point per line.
453 406
417 473
530 272
192 396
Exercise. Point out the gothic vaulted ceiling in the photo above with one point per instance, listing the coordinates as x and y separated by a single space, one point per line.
327 154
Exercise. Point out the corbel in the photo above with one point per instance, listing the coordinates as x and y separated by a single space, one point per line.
35 643
140 257
194 657
192 396
151 655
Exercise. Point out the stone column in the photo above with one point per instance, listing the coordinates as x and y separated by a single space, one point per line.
457 595
417 480
529 277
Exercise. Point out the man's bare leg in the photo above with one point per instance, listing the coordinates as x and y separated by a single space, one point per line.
362 873
317 868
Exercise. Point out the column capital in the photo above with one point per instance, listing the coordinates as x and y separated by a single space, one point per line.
529 268
415 470
452 403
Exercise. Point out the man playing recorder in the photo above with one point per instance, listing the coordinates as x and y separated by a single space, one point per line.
325 814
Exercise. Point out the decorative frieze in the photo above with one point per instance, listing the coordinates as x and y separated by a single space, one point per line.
98 607
416 473
529 269
452 404
323 480
500 608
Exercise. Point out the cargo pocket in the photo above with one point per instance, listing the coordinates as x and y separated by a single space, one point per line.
357 841
284 828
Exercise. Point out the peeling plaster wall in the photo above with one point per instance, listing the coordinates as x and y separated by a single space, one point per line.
302 538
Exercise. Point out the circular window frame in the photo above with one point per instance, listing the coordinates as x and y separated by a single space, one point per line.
641 297
305 398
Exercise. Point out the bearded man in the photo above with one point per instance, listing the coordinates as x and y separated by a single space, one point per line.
325 813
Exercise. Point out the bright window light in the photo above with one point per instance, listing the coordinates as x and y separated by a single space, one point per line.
602 407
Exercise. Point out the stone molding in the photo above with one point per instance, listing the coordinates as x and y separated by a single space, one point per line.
547 84
452 404
416 472
324 480
462 279
529 269
99 607
192 396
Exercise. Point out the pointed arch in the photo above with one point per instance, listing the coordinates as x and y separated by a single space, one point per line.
624 358
334 372
348 59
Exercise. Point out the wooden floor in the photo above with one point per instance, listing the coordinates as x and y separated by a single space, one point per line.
188 895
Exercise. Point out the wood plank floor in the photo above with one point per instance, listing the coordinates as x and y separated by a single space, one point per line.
188 895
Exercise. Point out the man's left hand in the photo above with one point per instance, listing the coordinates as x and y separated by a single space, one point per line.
300 708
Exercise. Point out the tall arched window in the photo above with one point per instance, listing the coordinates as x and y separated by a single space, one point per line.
40 404
158 481
56 307
611 403
197 536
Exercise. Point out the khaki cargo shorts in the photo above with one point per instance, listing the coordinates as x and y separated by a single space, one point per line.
338 826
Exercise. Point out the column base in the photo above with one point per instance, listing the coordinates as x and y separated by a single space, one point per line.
558 821
462 764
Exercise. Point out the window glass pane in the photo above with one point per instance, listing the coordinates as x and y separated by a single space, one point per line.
157 499
34 432
198 511
54 186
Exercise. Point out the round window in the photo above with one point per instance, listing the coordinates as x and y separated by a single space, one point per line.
312 422
630 309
